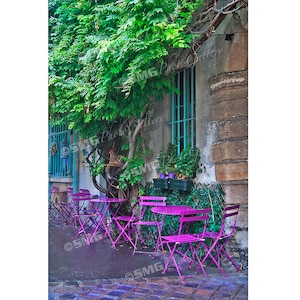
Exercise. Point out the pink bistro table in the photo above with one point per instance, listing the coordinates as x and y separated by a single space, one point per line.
103 213
170 210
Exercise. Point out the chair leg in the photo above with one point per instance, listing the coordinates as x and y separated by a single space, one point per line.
135 242
172 257
223 252
193 259
139 237
159 241
122 233
198 260
81 228
209 254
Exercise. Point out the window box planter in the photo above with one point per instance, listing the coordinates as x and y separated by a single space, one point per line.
161 183
180 184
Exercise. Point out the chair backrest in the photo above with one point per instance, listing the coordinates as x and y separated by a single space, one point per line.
230 214
70 192
188 217
83 191
77 198
150 201
81 196
153 201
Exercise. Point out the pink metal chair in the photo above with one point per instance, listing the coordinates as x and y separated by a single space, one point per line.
147 218
76 205
175 242
220 239
82 215
124 225
59 210
101 207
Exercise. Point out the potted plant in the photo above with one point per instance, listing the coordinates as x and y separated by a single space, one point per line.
161 163
188 163
187 166
166 161
171 160
161 182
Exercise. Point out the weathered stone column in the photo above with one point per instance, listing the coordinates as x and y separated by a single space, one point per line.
229 109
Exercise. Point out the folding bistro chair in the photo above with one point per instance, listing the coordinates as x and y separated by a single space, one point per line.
220 239
82 216
124 224
176 242
74 205
147 218
101 207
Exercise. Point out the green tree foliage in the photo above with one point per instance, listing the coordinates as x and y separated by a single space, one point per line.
107 62
106 58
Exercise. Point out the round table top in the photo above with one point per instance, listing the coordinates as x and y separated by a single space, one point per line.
106 200
171 209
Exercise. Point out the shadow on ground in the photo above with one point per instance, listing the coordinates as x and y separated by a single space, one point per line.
78 271
71 259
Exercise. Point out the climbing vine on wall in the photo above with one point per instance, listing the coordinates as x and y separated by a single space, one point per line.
201 196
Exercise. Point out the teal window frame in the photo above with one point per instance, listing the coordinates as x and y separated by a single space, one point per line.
183 119
59 167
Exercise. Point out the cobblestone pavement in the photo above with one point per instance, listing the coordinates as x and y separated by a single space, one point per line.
101 272
217 287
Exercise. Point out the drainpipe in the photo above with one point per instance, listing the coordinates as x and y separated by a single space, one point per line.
75 165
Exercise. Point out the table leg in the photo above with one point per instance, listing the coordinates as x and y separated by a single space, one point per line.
159 230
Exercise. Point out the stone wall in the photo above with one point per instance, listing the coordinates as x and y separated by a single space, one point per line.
221 95
229 109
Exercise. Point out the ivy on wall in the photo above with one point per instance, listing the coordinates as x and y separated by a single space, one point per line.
201 196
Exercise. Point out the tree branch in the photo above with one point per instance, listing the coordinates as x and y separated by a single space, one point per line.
204 24
132 138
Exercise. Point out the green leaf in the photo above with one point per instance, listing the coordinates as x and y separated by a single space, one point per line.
87 118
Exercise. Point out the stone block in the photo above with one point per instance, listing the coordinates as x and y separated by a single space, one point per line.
239 48
228 94
228 109
241 238
229 150
236 193
228 80
231 171
236 128
242 219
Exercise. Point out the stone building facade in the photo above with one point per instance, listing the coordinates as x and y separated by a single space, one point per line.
221 122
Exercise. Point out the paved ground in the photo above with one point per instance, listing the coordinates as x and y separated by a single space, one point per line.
77 271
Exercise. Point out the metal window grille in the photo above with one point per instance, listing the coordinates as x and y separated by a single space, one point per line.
59 155
183 110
